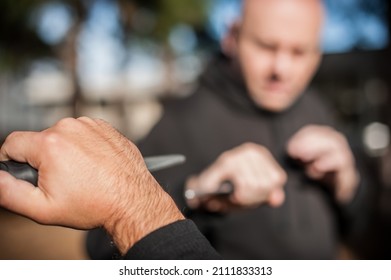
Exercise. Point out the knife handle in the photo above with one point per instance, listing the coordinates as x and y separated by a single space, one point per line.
22 171
226 188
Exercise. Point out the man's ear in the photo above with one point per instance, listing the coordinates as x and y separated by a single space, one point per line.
229 43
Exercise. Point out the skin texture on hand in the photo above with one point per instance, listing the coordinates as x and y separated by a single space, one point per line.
89 176
255 174
326 156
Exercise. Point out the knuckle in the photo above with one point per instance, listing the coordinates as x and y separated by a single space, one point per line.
246 150
90 121
241 198
343 139
84 119
11 136
101 122
340 143
268 188
248 145
261 193
50 138
224 157
283 178
254 151
65 123
278 178
53 143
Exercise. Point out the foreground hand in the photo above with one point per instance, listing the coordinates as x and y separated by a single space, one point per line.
326 156
251 168
89 176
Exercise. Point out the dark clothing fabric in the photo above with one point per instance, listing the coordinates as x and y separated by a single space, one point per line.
220 116
178 241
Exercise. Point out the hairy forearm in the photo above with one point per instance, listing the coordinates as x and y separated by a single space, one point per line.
130 223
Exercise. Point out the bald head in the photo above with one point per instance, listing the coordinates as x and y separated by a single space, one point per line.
276 45
290 14
314 5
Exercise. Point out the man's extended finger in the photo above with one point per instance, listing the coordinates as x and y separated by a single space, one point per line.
21 197
22 147
312 142
327 163
307 151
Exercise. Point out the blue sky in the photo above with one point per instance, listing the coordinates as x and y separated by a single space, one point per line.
350 24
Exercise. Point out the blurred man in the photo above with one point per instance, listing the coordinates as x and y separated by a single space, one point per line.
250 122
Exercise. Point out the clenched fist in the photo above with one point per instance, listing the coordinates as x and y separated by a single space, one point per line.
326 156
89 176
251 168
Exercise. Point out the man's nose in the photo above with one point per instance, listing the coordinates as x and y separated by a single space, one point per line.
283 63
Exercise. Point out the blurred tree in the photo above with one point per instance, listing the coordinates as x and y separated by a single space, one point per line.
154 20
21 42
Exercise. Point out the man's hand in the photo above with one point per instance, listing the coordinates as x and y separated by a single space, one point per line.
326 156
89 176
251 168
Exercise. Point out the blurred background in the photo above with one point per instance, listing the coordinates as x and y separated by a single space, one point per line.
116 59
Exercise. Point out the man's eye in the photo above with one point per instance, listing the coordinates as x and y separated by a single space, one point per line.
267 47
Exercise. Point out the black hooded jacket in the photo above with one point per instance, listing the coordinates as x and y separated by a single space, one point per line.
220 116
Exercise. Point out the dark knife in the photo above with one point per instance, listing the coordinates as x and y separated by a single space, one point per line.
24 171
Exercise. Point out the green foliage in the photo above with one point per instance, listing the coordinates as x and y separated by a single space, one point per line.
172 12
20 42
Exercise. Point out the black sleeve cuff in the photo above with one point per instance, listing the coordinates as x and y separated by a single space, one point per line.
180 240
